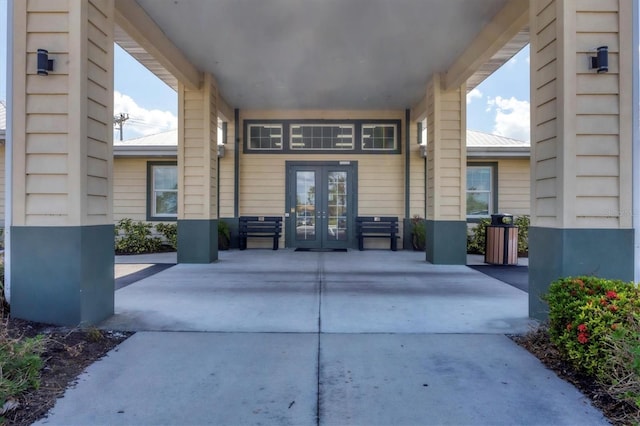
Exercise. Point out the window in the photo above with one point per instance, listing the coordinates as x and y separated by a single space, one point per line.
163 191
321 136
480 191
265 136
380 137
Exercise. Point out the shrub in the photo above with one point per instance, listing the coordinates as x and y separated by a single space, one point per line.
224 235
477 237
523 222
135 237
418 233
170 232
596 325
20 364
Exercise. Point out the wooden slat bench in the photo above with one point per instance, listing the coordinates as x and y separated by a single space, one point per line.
260 227
377 227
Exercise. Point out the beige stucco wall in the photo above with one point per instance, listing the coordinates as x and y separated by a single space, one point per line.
581 128
62 123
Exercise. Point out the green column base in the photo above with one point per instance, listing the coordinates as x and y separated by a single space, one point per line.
62 275
555 253
197 240
446 242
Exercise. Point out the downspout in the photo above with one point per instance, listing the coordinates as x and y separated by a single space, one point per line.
407 157
8 157
236 160
636 140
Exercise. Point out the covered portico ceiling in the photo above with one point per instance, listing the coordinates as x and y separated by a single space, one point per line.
325 54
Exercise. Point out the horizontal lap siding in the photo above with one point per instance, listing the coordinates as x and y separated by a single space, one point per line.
417 169
226 181
262 176
514 187
599 196
130 188
544 59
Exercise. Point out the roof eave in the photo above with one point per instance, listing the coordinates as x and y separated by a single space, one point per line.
145 151
495 152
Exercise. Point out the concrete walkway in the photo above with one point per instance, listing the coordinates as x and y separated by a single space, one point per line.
361 338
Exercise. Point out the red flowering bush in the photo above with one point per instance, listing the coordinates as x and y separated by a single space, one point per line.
596 325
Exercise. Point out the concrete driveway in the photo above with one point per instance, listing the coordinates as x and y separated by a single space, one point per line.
302 338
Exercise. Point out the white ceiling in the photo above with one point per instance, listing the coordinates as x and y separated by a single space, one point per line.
352 54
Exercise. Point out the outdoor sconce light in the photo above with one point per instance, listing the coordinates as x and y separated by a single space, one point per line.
600 63
44 63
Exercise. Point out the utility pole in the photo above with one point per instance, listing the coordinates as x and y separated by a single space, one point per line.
119 120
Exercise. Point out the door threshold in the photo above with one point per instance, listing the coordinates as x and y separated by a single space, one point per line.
322 250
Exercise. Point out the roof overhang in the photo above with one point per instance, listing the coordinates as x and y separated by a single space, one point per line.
308 54
145 151
476 153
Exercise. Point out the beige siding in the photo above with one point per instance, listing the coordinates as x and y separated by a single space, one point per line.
2 187
380 177
417 170
62 132
513 185
581 168
130 188
197 151
227 166
446 158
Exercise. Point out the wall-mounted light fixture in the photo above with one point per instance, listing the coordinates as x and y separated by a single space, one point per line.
600 62
44 63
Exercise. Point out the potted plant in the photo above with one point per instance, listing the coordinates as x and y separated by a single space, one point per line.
224 235
418 233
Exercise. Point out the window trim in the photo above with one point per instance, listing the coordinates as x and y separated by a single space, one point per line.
357 136
493 208
150 190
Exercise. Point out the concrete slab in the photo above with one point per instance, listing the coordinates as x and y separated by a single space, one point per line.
197 379
408 379
167 257
123 269
373 292
266 292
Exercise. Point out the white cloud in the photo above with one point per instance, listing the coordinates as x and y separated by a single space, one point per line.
141 121
512 117
475 93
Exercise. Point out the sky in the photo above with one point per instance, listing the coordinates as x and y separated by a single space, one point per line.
499 105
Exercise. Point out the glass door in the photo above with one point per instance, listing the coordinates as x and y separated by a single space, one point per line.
320 206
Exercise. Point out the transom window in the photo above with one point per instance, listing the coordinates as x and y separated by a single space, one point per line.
163 191
265 136
479 191
321 136
379 137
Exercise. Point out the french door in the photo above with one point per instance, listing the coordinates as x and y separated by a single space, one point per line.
320 205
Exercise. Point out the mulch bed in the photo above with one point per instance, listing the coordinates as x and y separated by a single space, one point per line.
69 351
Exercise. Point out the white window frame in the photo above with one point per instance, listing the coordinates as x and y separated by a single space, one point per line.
373 126
153 213
490 191
277 146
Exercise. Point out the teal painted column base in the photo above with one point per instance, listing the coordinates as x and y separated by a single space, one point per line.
62 275
555 253
446 242
197 240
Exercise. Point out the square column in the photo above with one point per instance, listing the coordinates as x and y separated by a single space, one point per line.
198 173
62 247
446 174
581 144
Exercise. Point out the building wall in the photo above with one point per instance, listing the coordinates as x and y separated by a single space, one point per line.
582 164
130 188
513 185
380 176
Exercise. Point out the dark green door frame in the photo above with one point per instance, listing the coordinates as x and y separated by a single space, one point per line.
320 220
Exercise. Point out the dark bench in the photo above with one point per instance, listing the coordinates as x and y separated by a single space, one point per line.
260 227
377 227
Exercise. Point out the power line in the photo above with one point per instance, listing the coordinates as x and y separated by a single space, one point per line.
119 120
